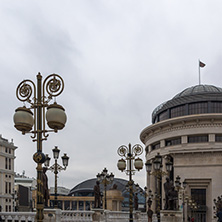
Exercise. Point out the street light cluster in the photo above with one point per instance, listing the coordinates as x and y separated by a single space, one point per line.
126 164
157 165
181 190
148 197
105 179
25 120
155 168
55 116
56 168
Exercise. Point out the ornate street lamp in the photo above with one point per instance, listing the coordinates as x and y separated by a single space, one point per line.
148 197
135 191
158 173
25 119
56 168
105 179
130 153
182 189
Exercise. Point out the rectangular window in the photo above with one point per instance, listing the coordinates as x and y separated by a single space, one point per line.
155 146
6 163
198 139
81 205
199 196
87 205
216 107
197 108
74 205
218 138
6 187
177 111
164 115
9 164
9 187
67 205
173 141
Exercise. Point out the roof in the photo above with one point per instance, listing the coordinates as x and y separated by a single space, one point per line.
88 185
198 89
197 93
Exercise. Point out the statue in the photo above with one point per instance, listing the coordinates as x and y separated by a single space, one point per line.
136 201
173 197
97 195
45 187
149 214
167 187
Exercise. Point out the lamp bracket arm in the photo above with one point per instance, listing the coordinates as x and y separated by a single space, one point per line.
122 151
54 86
137 149
55 168
25 90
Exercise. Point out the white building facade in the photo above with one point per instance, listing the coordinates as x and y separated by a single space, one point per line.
188 129
7 156
24 187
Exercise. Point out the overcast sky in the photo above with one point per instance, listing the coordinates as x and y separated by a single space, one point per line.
119 60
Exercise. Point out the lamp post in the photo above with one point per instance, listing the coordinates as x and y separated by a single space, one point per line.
56 168
158 173
24 119
105 179
149 197
130 153
134 191
193 206
182 189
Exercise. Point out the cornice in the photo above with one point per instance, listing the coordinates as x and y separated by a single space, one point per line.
181 123
181 150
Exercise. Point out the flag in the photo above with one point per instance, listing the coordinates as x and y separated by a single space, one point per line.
201 64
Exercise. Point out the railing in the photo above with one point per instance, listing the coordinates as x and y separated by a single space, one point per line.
68 216
116 216
18 216
120 216
56 215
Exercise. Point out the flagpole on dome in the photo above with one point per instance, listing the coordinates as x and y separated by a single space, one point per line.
201 65
199 72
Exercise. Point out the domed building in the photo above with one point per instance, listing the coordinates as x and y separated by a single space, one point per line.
187 130
84 192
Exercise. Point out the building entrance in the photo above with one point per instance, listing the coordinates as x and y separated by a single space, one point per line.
199 213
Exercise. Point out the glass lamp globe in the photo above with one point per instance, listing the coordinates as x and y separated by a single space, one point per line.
121 164
23 119
56 116
65 160
138 163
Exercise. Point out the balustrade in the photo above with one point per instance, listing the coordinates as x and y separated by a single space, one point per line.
57 215
68 216
18 216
